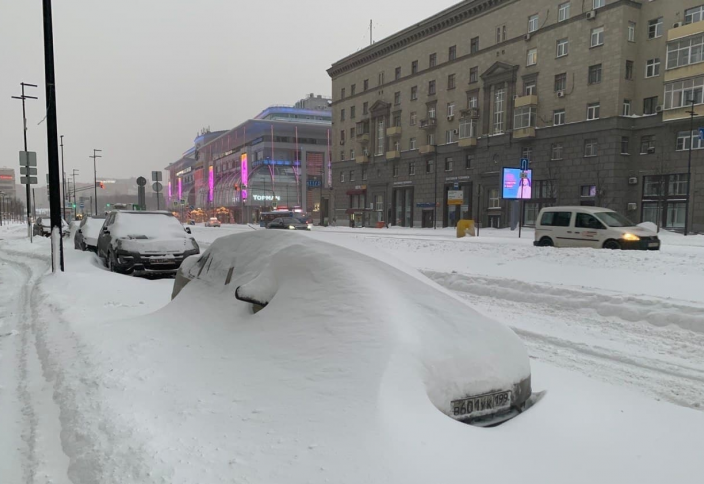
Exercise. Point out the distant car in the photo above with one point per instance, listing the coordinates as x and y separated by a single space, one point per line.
86 237
472 369
144 243
594 227
42 227
287 224
191 222
212 222
306 220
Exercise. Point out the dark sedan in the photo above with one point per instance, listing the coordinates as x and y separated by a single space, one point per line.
287 224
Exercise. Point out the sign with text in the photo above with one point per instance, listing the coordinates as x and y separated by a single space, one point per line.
517 184
455 197
28 158
244 172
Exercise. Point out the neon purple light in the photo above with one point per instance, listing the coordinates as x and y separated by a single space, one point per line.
169 190
211 183
244 172
180 189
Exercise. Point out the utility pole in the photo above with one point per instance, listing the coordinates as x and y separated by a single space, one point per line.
24 133
95 177
689 168
52 142
63 179
435 206
74 192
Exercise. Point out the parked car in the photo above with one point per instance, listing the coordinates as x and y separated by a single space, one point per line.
472 369
191 222
86 237
144 243
591 227
42 227
212 222
287 224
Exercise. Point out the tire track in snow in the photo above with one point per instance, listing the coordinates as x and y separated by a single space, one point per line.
571 329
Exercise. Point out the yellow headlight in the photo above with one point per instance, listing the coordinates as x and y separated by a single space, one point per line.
631 237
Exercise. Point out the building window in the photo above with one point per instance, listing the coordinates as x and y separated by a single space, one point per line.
342 136
587 191
625 140
681 93
431 111
626 110
563 12
685 138
532 57
629 70
556 151
381 79
468 162
414 67
414 93
449 136
342 177
494 200
395 170
412 144
647 145
530 88
655 28
473 75
678 185
365 108
430 139
380 137
342 114
397 73
598 3
397 119
527 153
448 164
452 54
562 47
342 155
450 110
351 154
499 101
474 45
342 93
685 52
472 101
593 111
590 147
652 67
429 166
364 174
433 60
524 117
692 15
451 81
411 168
597 37
353 112
650 105
397 98
366 84
431 88
353 89
595 74
558 117
533 22
353 132
561 82
468 128
351 175
631 31
414 118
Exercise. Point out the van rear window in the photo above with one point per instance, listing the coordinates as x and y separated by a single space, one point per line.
556 219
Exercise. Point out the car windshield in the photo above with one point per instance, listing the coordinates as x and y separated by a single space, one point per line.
149 225
614 219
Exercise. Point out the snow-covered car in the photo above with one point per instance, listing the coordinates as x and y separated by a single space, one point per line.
281 286
144 243
86 237
42 227
212 222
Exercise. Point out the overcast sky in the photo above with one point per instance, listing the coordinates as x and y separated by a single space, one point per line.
139 78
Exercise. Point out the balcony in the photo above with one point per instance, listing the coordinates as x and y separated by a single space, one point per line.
472 113
430 123
393 132
682 113
393 155
523 133
685 31
684 72
531 100
427 150
361 159
363 138
467 142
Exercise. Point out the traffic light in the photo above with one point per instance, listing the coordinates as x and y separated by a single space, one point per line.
73 205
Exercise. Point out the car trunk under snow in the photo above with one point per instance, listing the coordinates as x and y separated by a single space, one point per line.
471 368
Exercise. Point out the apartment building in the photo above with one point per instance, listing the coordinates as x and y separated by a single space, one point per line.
593 92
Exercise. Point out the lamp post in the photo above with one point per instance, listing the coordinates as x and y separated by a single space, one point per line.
689 167
63 180
95 178
74 192
435 206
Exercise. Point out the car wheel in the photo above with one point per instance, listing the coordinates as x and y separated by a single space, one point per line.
612 245
546 242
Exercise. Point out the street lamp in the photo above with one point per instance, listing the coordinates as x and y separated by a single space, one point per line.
74 192
63 180
95 178
689 167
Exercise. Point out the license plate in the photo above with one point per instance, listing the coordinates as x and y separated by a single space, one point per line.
160 261
654 244
482 404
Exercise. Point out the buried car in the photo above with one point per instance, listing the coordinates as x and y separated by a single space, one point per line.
343 308
86 237
42 227
144 243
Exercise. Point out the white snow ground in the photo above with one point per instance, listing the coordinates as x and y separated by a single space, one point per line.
97 387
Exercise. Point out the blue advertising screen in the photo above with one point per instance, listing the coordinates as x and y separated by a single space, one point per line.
517 184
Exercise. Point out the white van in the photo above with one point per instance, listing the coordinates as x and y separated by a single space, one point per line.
591 227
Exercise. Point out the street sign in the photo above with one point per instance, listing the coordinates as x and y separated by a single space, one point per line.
455 197
701 133
28 158
81 205
156 176
314 183
141 181
524 164
25 169
28 180
157 187
456 186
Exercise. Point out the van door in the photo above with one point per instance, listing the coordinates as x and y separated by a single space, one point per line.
588 231
555 224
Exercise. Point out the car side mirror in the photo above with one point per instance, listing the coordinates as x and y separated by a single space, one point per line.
79 231
188 230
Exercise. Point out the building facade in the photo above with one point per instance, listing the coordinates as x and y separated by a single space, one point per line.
8 182
594 93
